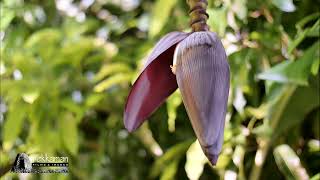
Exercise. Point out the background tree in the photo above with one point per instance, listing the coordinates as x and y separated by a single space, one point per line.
67 66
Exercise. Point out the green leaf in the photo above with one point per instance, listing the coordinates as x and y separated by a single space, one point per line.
306 20
13 124
288 107
289 163
69 133
172 154
295 72
93 99
277 101
109 69
259 112
299 105
170 171
44 43
6 16
218 26
73 52
173 103
46 138
315 177
311 31
238 156
313 145
314 30
43 37
111 81
195 161
71 106
284 5
72 28
315 66
297 40
146 137
160 15
30 97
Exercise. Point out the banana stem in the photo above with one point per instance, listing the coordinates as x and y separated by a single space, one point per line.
198 15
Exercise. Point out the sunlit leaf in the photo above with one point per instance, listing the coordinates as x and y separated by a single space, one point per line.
110 69
113 80
73 28
218 26
6 16
315 177
230 175
71 106
259 112
289 163
44 43
240 8
43 37
238 155
239 101
93 99
284 5
160 15
146 137
173 103
73 52
69 133
46 139
170 171
223 160
315 66
30 97
314 145
13 124
195 161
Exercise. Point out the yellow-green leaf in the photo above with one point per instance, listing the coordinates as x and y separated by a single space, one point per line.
170 171
172 154
109 69
289 163
6 16
195 161
160 15
113 80
295 72
173 103
69 133
13 124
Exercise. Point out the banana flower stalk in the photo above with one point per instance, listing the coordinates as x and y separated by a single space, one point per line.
196 63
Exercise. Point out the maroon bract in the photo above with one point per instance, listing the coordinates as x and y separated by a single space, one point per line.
155 83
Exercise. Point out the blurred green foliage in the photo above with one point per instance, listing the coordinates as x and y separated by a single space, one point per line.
67 66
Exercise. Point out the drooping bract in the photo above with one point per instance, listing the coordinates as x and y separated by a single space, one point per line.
202 73
155 83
